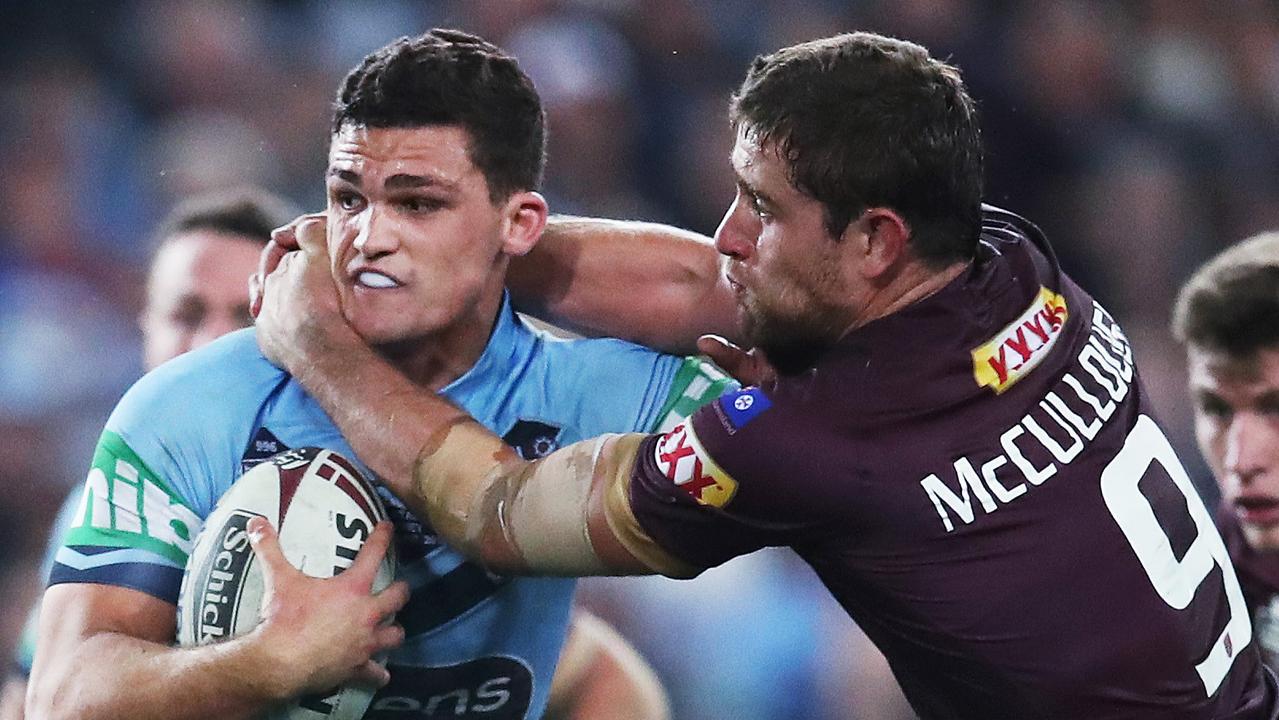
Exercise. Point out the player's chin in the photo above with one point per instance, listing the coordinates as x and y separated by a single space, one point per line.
379 328
1261 537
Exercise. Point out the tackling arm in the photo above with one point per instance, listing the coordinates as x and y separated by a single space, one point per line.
651 284
566 514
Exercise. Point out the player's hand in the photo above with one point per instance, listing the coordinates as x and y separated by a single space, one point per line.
748 367
298 313
282 241
317 634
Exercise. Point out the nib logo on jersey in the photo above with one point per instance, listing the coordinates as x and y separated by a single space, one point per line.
1022 345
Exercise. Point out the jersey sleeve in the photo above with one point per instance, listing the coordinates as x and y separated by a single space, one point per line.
727 481
616 386
131 527
146 493
171 446
694 383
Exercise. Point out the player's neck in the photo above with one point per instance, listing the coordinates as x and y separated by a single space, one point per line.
914 283
433 361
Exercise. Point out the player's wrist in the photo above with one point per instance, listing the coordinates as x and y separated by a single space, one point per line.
270 676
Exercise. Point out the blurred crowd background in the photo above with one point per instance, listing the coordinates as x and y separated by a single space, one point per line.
1142 135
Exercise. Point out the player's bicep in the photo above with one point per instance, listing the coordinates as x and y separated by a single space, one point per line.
569 514
616 537
651 284
72 615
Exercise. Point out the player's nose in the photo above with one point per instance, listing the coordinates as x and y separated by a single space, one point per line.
737 232
374 233
1251 447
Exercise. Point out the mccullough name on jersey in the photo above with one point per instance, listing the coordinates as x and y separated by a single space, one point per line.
1064 422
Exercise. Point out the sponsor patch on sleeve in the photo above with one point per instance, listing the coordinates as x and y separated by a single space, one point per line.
743 406
696 383
683 460
1018 348
126 505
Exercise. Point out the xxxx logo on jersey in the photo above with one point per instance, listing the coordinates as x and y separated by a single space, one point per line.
1023 344
684 461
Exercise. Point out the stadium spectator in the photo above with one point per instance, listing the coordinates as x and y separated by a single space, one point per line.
1227 316
955 436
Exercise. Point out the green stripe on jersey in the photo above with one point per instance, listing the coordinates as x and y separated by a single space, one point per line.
696 383
127 505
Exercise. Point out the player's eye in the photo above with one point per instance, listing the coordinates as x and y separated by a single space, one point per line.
758 208
1215 408
1269 406
188 316
347 200
418 205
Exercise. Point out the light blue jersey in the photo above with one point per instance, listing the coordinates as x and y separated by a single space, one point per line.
478 645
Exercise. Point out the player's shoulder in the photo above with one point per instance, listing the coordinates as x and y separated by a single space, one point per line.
223 376
604 354
669 387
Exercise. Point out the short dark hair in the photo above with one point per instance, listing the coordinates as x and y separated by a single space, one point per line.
866 120
247 212
1231 304
448 77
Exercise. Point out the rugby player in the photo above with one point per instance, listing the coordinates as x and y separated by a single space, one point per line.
204 253
436 153
957 440
1227 316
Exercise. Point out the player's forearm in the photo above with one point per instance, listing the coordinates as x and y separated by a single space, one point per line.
111 676
385 417
652 284
565 514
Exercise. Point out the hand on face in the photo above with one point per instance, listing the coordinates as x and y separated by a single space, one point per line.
293 297
321 633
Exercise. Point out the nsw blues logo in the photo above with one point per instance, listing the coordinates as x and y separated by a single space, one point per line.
533 439
263 445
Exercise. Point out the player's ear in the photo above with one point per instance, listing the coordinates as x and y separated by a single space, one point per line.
878 236
523 219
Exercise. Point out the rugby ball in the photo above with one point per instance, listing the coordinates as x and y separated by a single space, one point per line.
323 510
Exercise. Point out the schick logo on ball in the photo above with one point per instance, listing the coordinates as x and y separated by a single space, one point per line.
222 580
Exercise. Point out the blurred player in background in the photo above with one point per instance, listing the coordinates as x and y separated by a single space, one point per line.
955 439
1227 316
437 150
204 253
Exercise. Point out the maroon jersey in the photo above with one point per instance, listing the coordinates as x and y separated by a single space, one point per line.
979 480
1259 577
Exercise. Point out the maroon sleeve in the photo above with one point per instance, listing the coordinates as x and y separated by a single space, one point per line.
718 485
